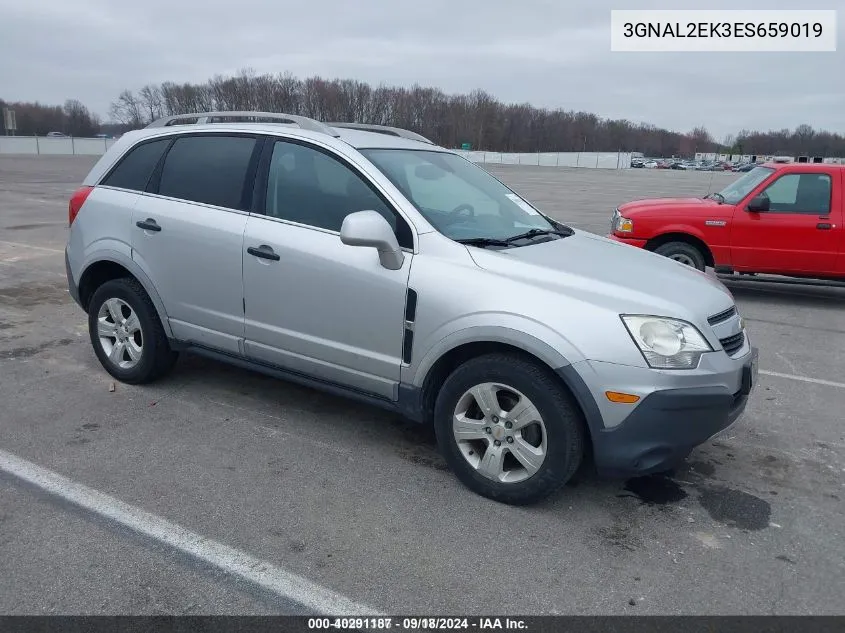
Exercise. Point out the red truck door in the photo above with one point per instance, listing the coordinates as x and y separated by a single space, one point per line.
791 224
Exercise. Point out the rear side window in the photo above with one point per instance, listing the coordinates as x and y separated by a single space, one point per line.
208 169
134 170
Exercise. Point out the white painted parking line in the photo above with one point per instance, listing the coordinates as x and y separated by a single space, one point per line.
815 381
284 584
38 248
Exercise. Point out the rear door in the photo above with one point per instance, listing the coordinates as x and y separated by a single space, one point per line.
188 234
797 235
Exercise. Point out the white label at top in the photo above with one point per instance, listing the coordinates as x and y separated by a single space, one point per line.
714 30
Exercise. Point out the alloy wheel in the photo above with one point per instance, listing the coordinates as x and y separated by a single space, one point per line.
119 333
500 432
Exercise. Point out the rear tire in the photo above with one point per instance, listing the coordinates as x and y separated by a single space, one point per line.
684 253
127 334
513 471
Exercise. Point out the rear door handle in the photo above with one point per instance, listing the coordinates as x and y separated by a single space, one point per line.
824 226
264 252
148 225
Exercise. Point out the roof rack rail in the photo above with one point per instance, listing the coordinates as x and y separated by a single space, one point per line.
198 118
384 129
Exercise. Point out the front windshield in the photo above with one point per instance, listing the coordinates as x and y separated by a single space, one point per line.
460 199
742 186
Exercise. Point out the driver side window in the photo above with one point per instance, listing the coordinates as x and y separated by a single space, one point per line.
800 193
310 187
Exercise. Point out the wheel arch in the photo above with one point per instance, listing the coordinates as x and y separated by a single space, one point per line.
417 398
419 401
681 236
114 265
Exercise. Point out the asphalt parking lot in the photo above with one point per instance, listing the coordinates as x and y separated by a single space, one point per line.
360 503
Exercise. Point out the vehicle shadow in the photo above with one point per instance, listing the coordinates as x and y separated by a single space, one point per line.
796 292
285 404
293 408
709 474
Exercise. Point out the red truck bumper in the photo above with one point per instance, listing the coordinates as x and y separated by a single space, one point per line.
628 240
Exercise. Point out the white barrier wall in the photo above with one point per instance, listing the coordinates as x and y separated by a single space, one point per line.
54 146
594 160
97 146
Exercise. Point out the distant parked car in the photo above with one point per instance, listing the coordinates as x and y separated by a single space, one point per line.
56 135
718 166
744 167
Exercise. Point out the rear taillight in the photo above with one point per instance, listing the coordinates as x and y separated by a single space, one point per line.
76 201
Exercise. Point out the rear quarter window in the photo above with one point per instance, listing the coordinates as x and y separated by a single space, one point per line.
135 168
208 169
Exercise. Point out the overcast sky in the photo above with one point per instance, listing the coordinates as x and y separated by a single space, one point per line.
553 53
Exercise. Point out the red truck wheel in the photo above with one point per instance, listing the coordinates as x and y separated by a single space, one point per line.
682 252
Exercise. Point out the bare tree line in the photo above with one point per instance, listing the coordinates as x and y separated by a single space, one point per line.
476 118
73 119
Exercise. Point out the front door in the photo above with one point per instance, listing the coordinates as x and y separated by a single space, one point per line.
314 305
796 234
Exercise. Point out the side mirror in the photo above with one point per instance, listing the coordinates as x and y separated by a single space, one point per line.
759 203
369 228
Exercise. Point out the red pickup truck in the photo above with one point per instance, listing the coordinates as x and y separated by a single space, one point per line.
779 218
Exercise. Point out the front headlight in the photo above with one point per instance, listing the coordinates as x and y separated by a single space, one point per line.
622 224
666 343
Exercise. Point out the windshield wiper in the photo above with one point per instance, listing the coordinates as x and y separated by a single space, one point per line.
482 241
536 233
716 196
563 229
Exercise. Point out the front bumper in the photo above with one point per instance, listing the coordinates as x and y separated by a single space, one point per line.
669 422
632 241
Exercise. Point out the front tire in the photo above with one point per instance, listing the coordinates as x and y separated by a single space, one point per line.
508 429
126 333
684 253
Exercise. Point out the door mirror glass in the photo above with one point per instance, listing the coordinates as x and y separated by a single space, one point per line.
759 203
369 228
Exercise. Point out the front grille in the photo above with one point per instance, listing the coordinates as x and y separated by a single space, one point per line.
722 316
733 344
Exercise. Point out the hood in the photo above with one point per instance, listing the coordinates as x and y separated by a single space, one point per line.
696 204
608 274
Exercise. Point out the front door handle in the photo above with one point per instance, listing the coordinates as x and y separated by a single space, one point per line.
264 252
148 225
824 226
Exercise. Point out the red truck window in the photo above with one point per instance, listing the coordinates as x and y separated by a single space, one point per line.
800 193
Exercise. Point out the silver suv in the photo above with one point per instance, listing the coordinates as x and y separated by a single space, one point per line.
369 262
